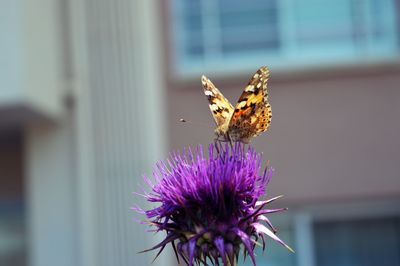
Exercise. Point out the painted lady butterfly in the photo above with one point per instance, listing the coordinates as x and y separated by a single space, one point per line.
251 115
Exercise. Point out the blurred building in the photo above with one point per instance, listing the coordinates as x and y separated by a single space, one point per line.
91 93
80 112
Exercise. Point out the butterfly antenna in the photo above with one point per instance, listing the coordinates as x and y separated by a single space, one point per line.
193 123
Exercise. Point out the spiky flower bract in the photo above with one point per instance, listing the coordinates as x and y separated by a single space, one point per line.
210 205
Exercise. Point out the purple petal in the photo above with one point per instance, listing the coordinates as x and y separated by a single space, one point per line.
265 219
170 237
264 202
231 254
262 229
192 247
219 243
247 243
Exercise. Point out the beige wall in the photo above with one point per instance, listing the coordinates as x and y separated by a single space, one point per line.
334 136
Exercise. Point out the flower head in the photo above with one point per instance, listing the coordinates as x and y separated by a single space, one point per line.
210 205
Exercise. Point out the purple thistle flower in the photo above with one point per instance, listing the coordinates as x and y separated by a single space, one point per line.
210 205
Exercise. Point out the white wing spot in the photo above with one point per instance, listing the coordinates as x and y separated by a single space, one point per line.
241 104
214 107
208 93
250 88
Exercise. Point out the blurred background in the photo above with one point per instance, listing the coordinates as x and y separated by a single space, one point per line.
91 92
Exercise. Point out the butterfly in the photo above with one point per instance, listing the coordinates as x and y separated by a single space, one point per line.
251 115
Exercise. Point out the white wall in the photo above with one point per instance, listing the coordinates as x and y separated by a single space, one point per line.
52 194
30 56
83 168
120 114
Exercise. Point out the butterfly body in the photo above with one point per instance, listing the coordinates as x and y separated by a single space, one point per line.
250 117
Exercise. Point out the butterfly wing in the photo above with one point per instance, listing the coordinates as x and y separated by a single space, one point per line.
220 107
252 114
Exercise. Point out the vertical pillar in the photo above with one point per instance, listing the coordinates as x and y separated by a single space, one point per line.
51 194
119 91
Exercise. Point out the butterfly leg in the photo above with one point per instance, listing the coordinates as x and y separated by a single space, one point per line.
217 144
243 148
228 139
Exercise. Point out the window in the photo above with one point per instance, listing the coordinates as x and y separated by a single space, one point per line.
233 34
352 234
364 242
12 234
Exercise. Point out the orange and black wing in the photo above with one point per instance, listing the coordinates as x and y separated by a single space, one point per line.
252 114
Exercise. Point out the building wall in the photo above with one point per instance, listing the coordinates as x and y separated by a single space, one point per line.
117 74
334 134
92 125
